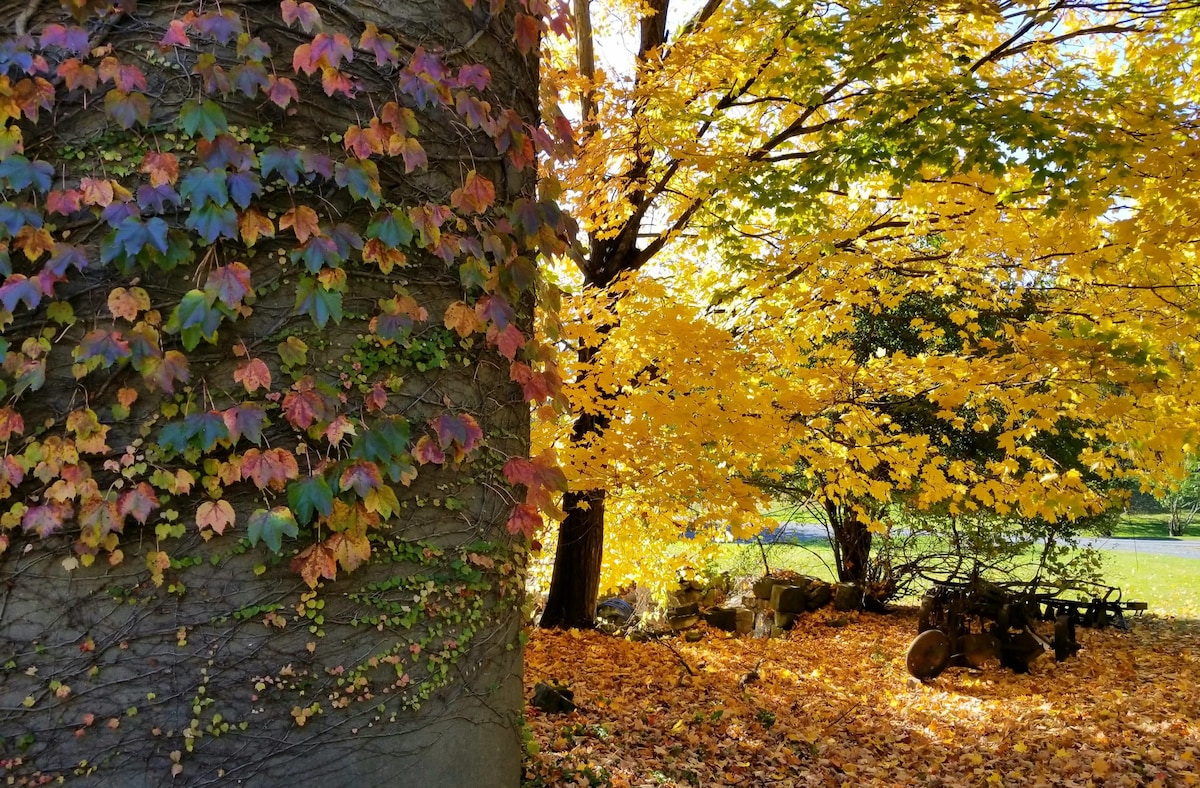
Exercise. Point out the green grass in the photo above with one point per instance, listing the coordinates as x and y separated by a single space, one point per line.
1152 526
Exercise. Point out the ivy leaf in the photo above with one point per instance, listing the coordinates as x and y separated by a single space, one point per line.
303 13
303 221
360 476
253 225
281 91
202 185
310 496
393 228
317 302
351 550
212 221
127 109
194 319
215 516
138 503
526 33
254 374
361 179
107 346
245 421
426 451
271 468
229 284
293 352
45 519
524 520
163 373
270 526
204 118
284 161
461 429
476 194
382 441
315 562
18 172
243 188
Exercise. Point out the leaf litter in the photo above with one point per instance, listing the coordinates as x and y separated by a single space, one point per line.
831 703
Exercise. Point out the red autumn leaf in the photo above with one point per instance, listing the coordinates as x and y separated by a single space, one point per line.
163 168
281 91
176 35
414 155
524 520
384 47
526 33
376 398
138 503
334 81
126 77
75 74
44 520
303 221
214 515
536 386
426 451
253 375
362 477
230 284
304 13
245 420
507 340
316 562
362 142
461 429
11 423
304 407
476 194
386 257
338 429
271 468
64 202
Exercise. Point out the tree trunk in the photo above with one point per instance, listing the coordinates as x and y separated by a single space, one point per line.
147 639
852 549
579 555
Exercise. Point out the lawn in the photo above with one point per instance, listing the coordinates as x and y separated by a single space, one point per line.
1152 526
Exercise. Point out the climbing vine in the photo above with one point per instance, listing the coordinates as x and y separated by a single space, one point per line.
268 273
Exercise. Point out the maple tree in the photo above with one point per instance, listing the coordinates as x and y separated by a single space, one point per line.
935 254
266 285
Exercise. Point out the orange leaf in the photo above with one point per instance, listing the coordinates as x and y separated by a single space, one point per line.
216 515
303 221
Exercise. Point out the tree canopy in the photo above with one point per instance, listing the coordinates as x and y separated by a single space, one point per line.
942 252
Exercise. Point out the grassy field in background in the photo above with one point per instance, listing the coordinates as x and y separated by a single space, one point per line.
1170 585
1152 526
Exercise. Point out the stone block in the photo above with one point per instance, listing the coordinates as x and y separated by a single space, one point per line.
819 595
789 599
847 597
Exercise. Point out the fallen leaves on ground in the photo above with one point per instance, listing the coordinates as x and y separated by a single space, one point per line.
834 705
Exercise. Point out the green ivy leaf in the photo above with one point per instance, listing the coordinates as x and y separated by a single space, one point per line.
206 119
270 526
310 496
